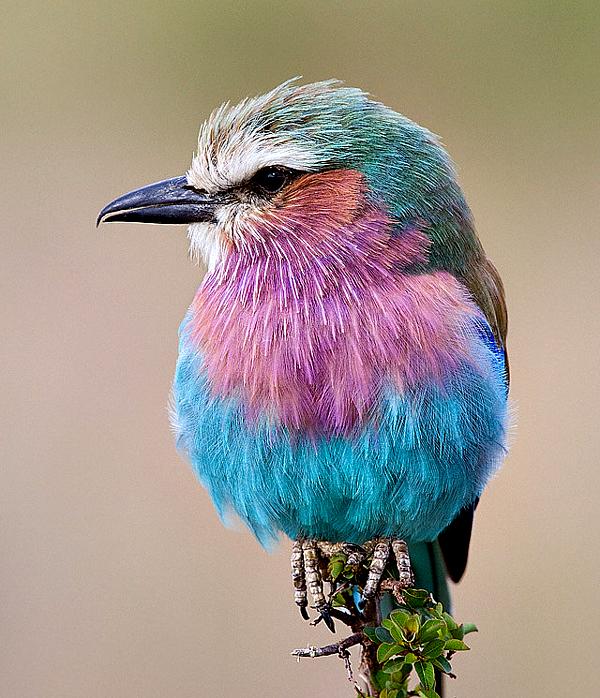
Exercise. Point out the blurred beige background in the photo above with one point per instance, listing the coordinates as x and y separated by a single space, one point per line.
117 578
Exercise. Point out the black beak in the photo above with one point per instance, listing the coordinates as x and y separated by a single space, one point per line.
169 201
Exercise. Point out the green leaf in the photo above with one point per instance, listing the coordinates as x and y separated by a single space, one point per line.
338 600
381 679
393 665
456 645
339 557
410 658
469 628
389 693
450 622
369 631
386 651
415 598
398 617
396 625
431 630
336 568
387 623
433 649
413 624
349 572
398 635
383 635
442 664
426 674
404 674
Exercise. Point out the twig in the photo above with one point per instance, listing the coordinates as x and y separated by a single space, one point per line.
338 648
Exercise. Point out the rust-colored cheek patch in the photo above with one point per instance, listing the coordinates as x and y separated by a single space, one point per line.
332 198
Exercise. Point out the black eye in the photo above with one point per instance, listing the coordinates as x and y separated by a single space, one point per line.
270 180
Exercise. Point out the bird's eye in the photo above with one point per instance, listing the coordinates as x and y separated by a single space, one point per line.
270 180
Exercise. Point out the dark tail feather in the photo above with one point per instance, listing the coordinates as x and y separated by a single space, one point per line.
454 542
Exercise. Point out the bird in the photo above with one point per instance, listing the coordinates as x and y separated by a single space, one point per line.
342 373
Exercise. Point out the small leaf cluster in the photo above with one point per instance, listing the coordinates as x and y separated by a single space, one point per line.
343 578
339 570
418 636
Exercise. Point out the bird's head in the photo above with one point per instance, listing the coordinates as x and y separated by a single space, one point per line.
303 165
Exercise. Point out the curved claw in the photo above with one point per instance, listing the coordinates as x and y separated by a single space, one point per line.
328 622
304 612
325 616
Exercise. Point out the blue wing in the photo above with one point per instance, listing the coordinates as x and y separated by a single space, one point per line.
454 540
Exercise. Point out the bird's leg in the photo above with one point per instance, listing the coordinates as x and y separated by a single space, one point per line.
306 573
314 581
405 572
309 558
406 577
299 578
356 556
381 554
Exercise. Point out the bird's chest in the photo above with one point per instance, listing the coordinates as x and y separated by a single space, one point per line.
318 365
300 370
284 463
311 419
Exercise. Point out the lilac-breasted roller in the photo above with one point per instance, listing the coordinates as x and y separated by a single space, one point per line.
342 371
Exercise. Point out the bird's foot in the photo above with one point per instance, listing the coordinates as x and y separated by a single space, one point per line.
307 576
382 549
314 562
310 567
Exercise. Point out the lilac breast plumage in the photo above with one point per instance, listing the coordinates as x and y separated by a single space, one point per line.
324 391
